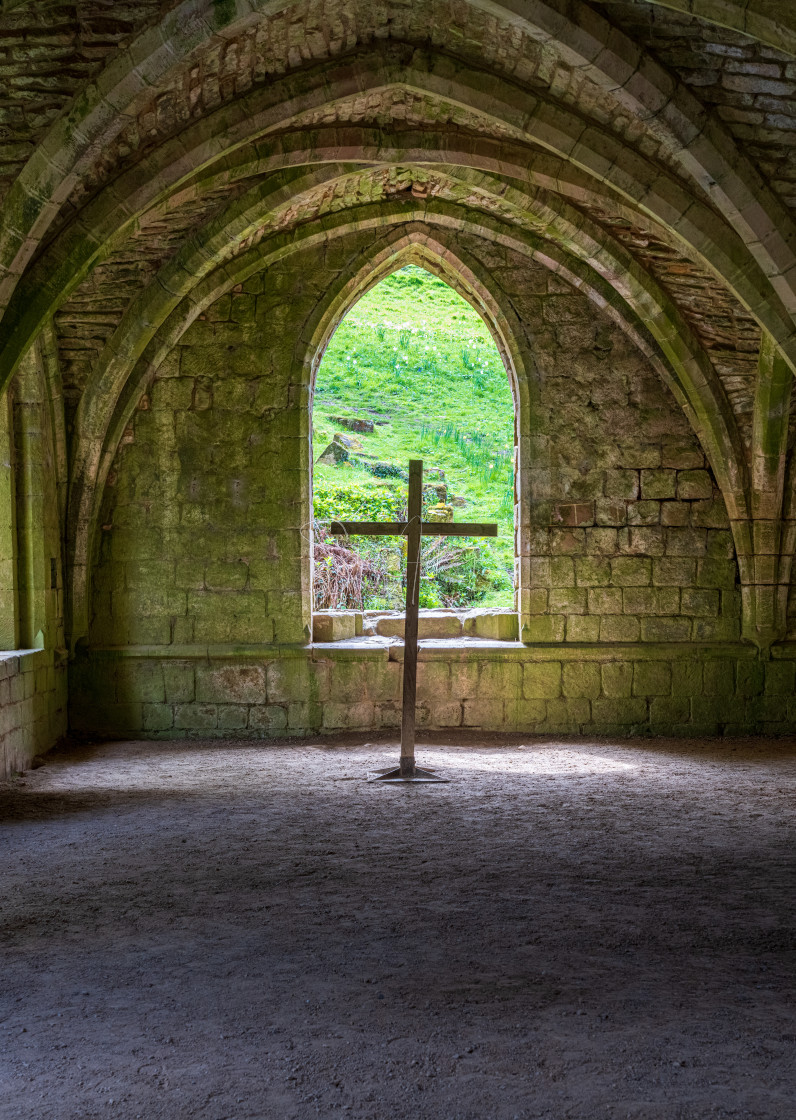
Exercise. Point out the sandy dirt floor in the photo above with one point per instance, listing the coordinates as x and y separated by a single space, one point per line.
569 929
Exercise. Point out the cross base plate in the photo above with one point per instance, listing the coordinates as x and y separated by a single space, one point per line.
392 774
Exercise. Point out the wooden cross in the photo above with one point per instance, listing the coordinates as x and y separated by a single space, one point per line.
413 528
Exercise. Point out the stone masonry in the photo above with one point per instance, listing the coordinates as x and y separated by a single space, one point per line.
193 193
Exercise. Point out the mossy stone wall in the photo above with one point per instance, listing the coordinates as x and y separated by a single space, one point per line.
631 611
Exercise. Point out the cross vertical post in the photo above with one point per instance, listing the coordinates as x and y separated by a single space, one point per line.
412 529
413 515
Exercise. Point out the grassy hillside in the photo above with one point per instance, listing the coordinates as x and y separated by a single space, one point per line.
417 360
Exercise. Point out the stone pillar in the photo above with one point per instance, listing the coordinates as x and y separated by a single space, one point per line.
9 608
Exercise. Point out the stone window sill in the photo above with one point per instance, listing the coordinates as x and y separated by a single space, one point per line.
466 625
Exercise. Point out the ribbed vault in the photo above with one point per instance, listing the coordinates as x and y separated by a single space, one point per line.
201 141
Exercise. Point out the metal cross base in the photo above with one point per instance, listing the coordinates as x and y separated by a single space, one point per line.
393 774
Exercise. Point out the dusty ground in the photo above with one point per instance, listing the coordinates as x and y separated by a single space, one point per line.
569 929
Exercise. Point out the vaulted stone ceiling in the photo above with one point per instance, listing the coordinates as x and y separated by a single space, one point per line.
644 150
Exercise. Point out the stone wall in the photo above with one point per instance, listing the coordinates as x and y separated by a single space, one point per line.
630 539
33 679
33 706
205 537
201 586
627 689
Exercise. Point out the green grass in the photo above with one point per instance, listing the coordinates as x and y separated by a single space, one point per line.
414 354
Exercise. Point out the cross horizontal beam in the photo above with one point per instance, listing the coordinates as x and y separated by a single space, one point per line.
400 528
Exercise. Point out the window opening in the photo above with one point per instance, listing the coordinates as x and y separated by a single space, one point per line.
413 372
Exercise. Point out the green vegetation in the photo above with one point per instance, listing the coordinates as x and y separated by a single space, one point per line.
417 360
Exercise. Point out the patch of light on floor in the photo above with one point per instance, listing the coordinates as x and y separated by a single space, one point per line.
564 762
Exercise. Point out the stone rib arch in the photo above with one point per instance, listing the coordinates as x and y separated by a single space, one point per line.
574 143
696 383
97 114
95 451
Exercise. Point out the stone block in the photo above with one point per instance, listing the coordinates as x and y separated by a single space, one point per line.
609 512
624 712
449 714
686 542
230 684
750 676
487 713
621 484
337 717
195 717
157 717
652 678
539 571
675 513
568 600
709 514
356 681
534 600
464 680
583 628
431 624
172 393
642 541
562 572
780 678
496 625
666 711
617 679
695 601
631 571
713 572
592 571
190 574
178 681
662 629
650 600
297 679
527 713
542 628
606 600
573 513
217 614
140 680
687 678
581 678
233 717
658 484
619 628
718 677
144 631
499 679
304 715
230 576
567 542
158 574
333 626
681 456
641 457
433 681
271 718
720 544
694 484
708 714
566 715
541 680
646 513
673 571
721 629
